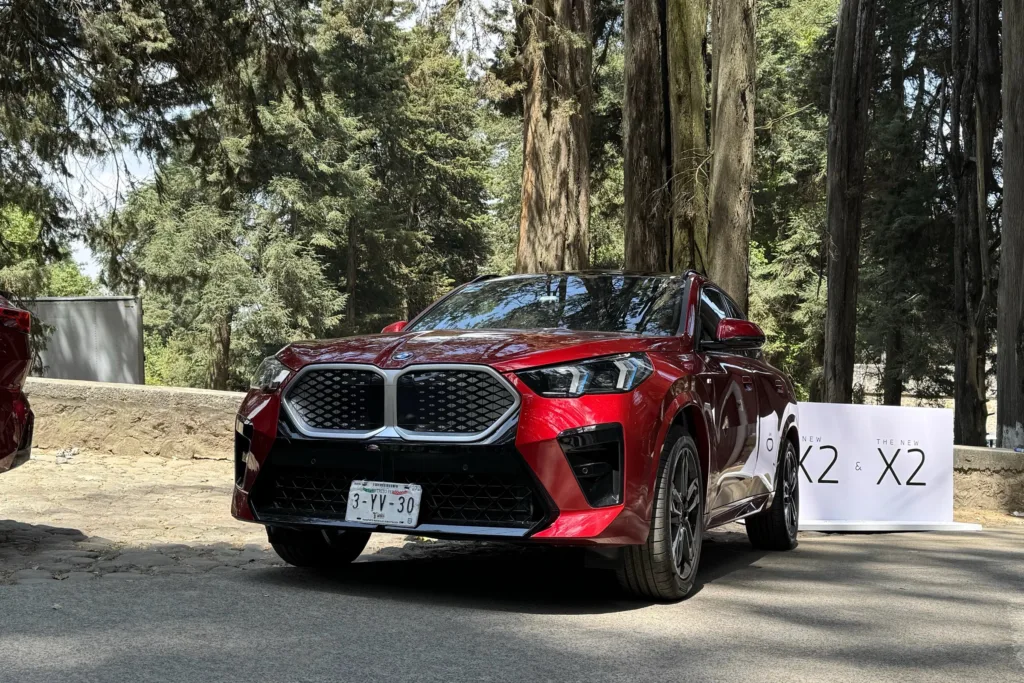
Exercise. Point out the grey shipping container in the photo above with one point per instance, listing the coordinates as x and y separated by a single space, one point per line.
97 338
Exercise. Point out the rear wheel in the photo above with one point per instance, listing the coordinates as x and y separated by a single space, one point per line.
322 548
665 567
775 528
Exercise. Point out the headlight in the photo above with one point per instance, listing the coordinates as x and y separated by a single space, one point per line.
269 375
608 375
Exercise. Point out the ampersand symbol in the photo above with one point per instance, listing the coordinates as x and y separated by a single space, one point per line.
858 467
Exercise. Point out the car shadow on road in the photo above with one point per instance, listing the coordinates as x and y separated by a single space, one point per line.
495 577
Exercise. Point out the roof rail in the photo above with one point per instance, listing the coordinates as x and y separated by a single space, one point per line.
483 278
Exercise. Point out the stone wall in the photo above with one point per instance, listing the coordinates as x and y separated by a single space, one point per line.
128 419
192 423
988 478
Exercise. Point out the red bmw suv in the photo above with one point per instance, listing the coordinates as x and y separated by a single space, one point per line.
626 412
15 359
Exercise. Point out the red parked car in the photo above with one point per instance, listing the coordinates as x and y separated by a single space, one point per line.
625 412
15 359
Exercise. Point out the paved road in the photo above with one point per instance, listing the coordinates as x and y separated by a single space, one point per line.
914 607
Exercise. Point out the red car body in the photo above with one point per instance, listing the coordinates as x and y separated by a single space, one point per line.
16 417
739 410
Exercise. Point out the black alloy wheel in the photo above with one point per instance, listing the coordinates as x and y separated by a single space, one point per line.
665 567
684 518
776 527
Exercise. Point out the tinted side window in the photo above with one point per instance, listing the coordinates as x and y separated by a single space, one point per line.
734 309
713 307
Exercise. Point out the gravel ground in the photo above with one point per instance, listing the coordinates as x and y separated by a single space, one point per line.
131 569
92 516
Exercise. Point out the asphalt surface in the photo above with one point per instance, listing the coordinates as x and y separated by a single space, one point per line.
909 607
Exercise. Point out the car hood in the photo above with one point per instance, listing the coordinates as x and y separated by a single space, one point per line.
504 350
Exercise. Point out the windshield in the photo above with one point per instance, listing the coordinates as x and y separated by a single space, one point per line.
647 305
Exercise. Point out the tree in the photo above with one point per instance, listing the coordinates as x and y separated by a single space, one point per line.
90 78
973 117
223 286
733 73
1010 325
556 54
643 124
904 334
685 47
847 143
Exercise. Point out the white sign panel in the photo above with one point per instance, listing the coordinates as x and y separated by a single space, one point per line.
875 467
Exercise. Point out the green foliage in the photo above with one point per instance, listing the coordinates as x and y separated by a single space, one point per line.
200 264
787 287
28 272
245 243
65 278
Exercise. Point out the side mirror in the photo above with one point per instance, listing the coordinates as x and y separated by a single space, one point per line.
738 334
394 327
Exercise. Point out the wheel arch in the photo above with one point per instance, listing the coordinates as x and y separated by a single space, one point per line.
691 419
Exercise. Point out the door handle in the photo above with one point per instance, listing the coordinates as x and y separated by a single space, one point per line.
748 384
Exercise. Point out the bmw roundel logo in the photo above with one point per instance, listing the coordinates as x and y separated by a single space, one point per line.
404 355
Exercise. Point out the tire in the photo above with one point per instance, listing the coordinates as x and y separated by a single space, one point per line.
321 548
660 569
776 527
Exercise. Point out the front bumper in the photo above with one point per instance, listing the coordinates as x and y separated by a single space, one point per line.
564 471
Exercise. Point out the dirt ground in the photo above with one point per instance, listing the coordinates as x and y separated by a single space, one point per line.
111 516
98 515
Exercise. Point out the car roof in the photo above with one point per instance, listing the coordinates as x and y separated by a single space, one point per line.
587 273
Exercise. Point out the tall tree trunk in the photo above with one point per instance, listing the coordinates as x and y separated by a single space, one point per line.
685 44
847 143
1010 325
892 373
643 122
350 277
557 52
733 72
968 155
220 370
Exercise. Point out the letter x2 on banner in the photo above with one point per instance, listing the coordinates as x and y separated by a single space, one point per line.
876 468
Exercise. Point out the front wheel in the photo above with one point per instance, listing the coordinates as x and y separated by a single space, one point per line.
775 528
665 567
321 548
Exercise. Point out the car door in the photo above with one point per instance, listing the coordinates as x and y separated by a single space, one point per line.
772 402
731 386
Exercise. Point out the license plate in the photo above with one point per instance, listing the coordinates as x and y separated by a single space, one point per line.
381 502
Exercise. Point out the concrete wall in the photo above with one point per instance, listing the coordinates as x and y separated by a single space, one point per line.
192 423
127 419
988 478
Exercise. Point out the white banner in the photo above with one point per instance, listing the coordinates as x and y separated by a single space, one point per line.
879 468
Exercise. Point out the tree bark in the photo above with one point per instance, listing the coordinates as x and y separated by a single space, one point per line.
685 46
557 51
848 124
968 155
1010 325
350 277
643 122
892 373
220 370
733 72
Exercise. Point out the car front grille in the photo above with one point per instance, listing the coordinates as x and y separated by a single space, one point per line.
451 401
339 399
459 403
486 486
